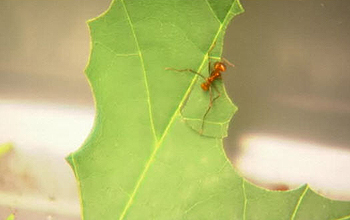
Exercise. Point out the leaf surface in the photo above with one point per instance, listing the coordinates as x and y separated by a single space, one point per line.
145 158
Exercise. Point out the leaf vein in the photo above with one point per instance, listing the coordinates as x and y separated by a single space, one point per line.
299 202
245 201
143 69
150 115
186 36
176 112
198 203
211 9
114 52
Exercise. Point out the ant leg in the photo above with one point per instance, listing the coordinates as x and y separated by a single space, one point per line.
223 59
217 90
186 70
212 100
209 107
215 58
209 66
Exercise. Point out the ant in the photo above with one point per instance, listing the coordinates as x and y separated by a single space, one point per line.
219 68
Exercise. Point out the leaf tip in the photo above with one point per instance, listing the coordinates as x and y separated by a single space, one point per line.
70 160
239 6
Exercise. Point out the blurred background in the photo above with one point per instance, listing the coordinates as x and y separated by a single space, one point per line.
291 84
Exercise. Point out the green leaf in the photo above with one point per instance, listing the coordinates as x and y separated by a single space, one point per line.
11 217
5 148
145 158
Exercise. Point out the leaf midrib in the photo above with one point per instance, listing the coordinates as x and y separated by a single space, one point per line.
149 162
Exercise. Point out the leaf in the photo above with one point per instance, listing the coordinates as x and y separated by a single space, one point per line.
11 217
5 148
144 158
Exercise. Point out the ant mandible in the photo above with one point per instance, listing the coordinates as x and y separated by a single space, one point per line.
219 68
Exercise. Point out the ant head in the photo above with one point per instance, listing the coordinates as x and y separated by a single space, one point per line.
220 66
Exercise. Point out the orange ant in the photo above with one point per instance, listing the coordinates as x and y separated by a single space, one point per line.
219 68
